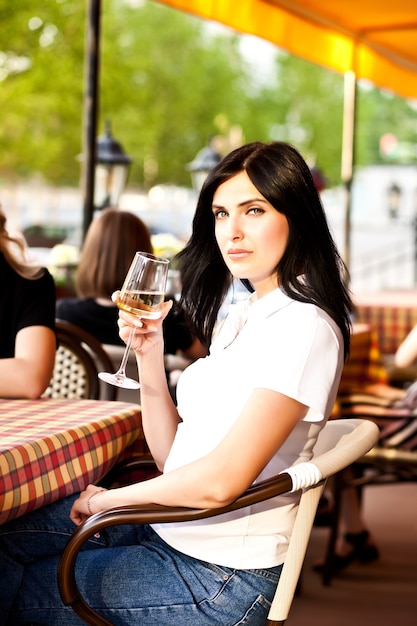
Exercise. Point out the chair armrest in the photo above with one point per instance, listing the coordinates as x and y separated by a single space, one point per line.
144 515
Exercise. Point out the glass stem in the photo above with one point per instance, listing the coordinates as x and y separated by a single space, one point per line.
121 372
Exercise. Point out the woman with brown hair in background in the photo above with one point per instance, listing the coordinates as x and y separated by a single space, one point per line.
111 242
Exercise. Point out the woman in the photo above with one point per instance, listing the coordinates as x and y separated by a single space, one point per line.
27 321
254 406
109 247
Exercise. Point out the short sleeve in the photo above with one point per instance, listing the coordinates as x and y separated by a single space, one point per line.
37 304
304 362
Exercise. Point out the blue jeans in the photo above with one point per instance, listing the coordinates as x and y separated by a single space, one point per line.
128 574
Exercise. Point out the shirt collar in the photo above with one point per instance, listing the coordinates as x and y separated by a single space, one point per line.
268 304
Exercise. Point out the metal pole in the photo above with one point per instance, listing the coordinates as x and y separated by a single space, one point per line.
90 111
348 150
415 245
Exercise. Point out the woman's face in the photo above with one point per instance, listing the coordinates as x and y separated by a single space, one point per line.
251 234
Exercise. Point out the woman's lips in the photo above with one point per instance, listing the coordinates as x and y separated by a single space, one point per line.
238 253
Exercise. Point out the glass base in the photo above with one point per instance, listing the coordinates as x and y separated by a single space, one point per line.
119 380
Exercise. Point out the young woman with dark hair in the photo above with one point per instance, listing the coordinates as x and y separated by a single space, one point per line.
254 406
310 269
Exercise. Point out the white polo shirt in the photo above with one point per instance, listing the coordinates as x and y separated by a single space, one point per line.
274 343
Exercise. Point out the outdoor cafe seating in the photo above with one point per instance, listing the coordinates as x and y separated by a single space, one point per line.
361 395
340 443
391 315
79 358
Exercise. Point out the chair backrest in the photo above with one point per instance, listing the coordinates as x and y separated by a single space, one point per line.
79 358
340 443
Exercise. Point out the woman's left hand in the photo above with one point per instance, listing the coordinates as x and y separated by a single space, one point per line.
87 504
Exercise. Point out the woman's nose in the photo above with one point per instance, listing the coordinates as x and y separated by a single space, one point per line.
235 230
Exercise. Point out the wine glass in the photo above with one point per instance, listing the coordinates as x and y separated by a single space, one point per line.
142 294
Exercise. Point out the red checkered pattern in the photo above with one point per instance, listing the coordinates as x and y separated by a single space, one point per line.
51 448
391 323
364 365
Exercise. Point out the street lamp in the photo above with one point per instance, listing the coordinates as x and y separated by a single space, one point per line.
200 166
111 170
394 197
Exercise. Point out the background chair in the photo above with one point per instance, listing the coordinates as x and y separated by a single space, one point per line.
365 393
340 443
79 358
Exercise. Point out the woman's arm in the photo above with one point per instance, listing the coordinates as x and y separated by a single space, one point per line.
406 353
29 372
160 417
218 478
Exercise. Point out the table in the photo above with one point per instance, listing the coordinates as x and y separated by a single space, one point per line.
392 314
51 448
364 365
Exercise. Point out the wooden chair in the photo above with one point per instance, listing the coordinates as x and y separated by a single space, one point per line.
78 360
340 443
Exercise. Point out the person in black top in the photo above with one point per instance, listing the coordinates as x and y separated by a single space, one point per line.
109 247
27 321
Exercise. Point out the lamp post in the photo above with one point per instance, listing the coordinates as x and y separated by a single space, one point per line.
111 170
200 166
394 197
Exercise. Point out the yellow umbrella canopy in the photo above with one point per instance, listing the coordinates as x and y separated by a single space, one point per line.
376 39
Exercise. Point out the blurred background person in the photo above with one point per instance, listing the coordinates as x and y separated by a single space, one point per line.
112 240
27 320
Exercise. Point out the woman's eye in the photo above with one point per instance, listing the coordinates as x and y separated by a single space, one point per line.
219 214
256 210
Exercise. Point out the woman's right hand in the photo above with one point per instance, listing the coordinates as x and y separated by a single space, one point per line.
148 333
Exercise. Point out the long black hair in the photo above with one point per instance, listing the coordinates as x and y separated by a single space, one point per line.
310 270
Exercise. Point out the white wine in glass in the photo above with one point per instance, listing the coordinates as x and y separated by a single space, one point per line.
143 295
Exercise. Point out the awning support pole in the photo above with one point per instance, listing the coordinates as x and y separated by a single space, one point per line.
348 152
90 111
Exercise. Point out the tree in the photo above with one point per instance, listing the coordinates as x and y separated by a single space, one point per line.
42 87
164 81
381 113
311 99
168 83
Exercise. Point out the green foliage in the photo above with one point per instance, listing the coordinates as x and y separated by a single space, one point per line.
311 99
381 113
167 83
42 105
163 83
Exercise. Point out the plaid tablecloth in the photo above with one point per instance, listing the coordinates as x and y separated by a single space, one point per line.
50 448
391 323
391 314
364 365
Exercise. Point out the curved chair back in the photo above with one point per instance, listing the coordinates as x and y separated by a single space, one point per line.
79 358
340 443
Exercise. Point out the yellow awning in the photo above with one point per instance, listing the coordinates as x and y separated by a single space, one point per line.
377 39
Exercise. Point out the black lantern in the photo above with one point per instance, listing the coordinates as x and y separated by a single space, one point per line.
112 168
205 160
394 197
